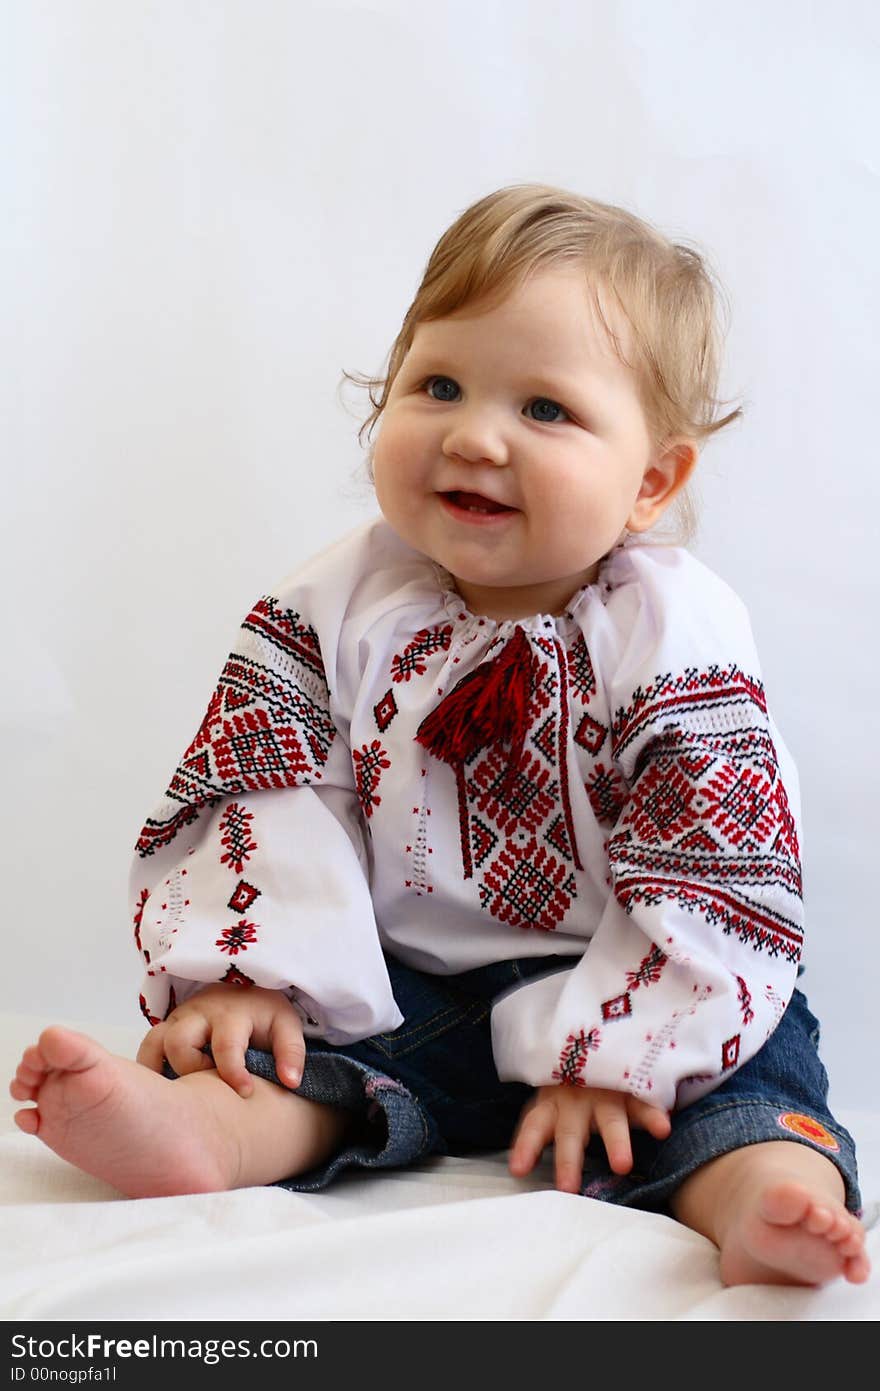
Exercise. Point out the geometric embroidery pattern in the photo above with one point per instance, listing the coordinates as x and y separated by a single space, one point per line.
369 763
581 677
618 1008
745 1001
237 938
236 977
244 896
573 1058
235 836
648 973
411 661
518 832
267 725
607 793
527 887
707 823
385 711
649 970
590 734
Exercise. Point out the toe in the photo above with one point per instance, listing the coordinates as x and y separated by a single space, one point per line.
785 1204
820 1221
20 1091
33 1060
28 1121
30 1076
67 1050
858 1269
853 1244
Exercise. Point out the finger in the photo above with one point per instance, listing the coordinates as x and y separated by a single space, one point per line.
612 1124
185 1037
288 1046
534 1134
644 1116
229 1041
151 1052
570 1142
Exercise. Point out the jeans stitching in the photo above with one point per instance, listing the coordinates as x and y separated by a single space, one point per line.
707 1112
420 1035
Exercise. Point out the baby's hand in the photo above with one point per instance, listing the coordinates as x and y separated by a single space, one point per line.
568 1116
230 1018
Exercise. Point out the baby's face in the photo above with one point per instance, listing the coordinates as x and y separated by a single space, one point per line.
513 447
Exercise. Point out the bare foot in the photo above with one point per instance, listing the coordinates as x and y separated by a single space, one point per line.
786 1234
122 1122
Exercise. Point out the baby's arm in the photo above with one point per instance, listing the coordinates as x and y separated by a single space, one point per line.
230 1018
568 1116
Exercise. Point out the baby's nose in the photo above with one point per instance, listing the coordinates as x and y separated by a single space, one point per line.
478 438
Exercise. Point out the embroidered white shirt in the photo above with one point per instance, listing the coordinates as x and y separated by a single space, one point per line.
648 829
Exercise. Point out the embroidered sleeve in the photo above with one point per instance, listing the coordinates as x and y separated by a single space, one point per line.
253 868
694 959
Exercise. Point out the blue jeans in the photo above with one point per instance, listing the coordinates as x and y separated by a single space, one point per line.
430 1087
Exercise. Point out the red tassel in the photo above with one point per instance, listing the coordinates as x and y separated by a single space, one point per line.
488 706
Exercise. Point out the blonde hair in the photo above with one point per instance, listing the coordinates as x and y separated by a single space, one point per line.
665 289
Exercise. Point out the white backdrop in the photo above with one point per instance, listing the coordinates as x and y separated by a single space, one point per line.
212 207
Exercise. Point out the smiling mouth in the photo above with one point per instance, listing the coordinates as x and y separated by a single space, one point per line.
475 502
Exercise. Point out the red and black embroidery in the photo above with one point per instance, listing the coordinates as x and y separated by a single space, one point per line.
527 887
730 1053
369 764
384 711
573 1058
411 661
745 1001
151 1019
581 676
648 973
245 894
139 915
607 793
707 824
268 723
235 836
649 970
508 752
693 694
236 977
238 937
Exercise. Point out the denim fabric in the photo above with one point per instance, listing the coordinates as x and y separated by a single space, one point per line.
430 1087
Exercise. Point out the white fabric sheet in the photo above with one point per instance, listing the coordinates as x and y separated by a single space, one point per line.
451 1239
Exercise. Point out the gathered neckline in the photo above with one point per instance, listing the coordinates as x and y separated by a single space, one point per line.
458 609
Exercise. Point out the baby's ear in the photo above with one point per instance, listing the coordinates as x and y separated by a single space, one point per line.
664 478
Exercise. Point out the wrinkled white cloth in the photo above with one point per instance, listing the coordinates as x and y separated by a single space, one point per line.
450 1239
624 799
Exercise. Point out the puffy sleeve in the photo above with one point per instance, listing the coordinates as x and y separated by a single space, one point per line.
694 958
253 868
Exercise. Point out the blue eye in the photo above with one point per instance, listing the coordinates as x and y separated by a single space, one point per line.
539 400
448 380
544 401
